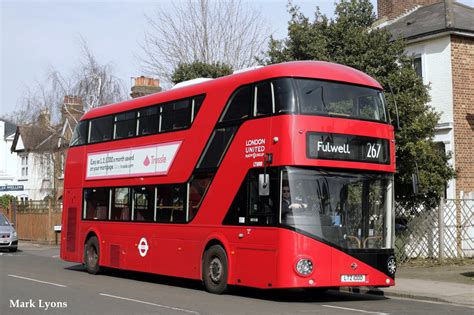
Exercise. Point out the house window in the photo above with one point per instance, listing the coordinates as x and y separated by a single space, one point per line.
24 165
418 67
45 165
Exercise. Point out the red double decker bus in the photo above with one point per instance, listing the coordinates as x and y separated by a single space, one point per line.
279 177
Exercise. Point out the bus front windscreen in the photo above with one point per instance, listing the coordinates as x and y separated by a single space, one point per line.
328 98
349 210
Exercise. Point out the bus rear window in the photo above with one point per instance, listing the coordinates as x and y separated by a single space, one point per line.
339 99
80 134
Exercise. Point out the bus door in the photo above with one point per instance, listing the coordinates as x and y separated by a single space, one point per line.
256 238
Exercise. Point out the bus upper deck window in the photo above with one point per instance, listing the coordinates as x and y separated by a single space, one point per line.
263 99
125 125
148 120
176 115
181 114
101 129
197 102
317 97
284 96
239 105
80 134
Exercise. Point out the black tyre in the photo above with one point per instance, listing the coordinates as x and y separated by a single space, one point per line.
92 255
13 249
215 270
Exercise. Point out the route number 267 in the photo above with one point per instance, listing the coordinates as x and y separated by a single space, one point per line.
373 150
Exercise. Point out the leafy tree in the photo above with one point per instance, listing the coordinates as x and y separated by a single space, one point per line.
197 69
5 201
350 39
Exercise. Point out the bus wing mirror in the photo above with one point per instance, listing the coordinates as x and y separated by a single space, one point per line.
263 184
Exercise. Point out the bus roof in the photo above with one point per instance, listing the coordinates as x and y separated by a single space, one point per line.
306 69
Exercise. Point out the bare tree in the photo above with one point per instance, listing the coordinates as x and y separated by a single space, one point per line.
92 81
43 95
206 31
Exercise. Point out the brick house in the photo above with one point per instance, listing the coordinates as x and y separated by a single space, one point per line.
41 149
439 36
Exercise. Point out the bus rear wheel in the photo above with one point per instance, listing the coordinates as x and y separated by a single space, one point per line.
215 270
92 255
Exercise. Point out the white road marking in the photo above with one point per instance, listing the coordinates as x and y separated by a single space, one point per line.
55 256
40 281
354 310
430 302
149 303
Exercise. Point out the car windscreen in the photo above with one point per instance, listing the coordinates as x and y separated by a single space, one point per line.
3 221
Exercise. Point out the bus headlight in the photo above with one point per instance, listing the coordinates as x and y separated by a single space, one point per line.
304 267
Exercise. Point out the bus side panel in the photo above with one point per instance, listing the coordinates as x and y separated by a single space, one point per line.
253 256
174 252
329 264
165 249
71 217
343 264
71 243
294 246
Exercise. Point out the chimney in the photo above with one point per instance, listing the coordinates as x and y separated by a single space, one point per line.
44 119
144 86
394 8
72 108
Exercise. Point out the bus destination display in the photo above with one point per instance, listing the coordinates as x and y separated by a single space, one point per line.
332 146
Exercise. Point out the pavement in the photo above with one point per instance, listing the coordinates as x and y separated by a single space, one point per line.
449 282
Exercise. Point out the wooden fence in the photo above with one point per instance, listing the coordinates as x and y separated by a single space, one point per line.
35 220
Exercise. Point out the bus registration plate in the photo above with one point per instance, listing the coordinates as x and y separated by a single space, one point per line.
352 278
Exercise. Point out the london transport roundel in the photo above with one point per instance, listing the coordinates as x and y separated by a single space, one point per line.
143 247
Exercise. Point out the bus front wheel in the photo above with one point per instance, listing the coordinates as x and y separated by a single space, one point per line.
91 255
215 270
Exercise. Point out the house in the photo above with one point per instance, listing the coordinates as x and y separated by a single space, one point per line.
41 147
8 162
41 151
439 36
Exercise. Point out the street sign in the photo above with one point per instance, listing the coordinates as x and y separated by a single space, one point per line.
12 188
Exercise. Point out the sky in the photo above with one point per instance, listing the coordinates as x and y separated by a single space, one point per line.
39 35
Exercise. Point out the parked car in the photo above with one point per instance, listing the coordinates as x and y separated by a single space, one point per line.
8 236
